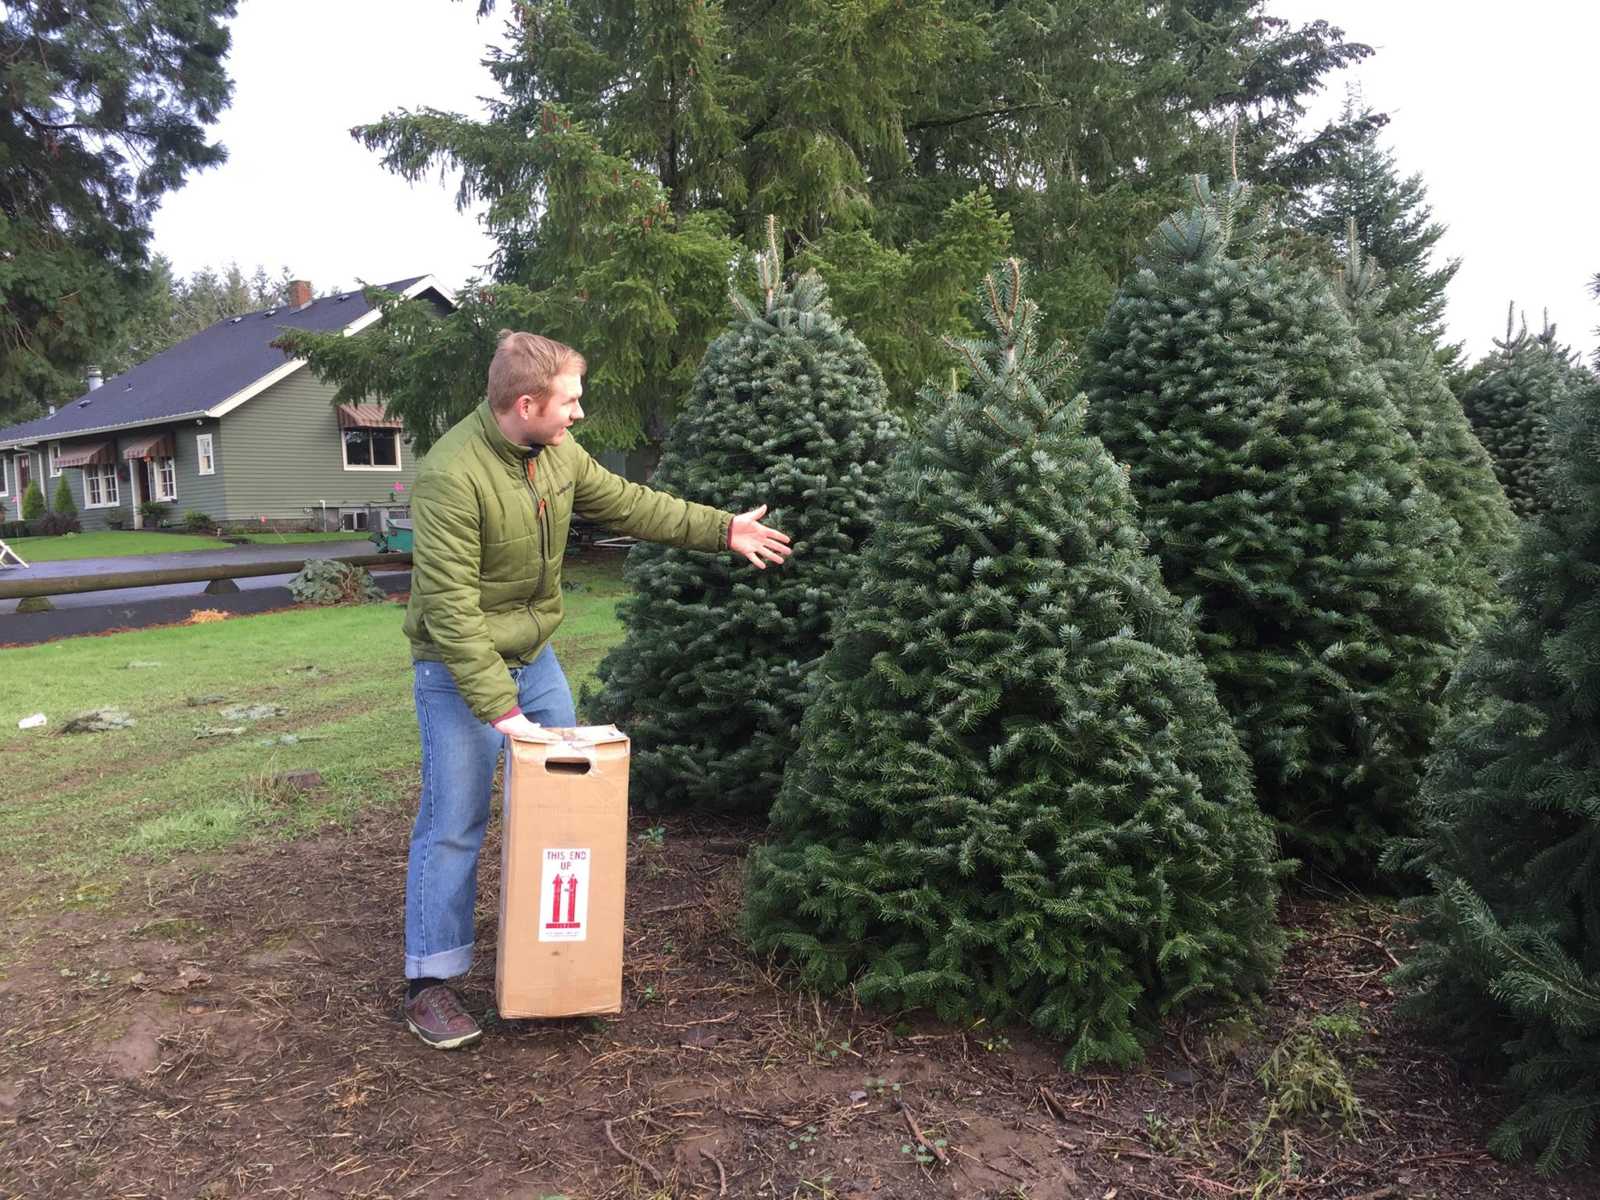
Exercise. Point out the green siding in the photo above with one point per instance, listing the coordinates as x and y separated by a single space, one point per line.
278 455
197 492
11 502
284 458
89 518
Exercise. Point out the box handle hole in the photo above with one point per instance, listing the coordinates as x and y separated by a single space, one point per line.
567 766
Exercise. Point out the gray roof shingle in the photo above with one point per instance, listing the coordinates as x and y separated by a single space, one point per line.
198 373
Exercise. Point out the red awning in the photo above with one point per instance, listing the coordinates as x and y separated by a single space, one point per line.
367 416
86 454
158 445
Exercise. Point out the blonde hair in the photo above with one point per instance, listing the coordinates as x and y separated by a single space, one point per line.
524 364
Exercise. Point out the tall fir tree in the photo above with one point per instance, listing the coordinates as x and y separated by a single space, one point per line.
1455 467
1508 966
104 110
591 254
787 410
1016 796
630 152
1508 398
1281 494
1365 203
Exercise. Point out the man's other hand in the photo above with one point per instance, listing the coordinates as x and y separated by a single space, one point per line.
759 543
518 726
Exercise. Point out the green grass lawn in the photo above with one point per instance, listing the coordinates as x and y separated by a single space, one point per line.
289 539
83 810
109 543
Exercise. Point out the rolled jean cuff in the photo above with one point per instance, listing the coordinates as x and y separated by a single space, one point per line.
446 964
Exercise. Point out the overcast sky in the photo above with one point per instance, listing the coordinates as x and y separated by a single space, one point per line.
1486 104
297 190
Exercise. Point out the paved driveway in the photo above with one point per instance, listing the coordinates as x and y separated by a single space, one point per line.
122 597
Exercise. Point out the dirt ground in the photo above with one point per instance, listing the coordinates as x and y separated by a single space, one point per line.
230 1028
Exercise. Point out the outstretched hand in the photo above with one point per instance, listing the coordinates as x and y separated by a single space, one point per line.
759 543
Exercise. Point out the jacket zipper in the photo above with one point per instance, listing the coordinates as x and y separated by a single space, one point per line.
538 512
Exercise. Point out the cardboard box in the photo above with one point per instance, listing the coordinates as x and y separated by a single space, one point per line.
563 875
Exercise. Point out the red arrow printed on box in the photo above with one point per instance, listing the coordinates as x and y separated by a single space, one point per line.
565 871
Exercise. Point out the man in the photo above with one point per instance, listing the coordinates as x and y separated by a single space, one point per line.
490 511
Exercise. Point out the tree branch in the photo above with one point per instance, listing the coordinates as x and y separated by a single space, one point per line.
947 122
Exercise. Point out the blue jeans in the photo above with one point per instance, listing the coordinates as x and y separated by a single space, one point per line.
458 760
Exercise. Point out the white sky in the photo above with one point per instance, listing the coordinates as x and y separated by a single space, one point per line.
1486 102
297 190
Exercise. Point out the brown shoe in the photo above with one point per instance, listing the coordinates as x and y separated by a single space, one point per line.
435 1015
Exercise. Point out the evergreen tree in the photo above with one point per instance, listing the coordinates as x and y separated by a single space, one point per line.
1508 398
786 410
1454 465
1016 796
63 502
32 501
631 151
592 255
1508 966
931 280
103 111
1281 494
1366 200
1084 120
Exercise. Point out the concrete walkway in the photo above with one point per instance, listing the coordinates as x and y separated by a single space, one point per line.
123 597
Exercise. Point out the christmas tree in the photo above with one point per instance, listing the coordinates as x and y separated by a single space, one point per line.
1508 398
1016 796
1508 970
788 410
1455 467
1281 495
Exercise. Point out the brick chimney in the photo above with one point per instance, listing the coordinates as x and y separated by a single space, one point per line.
299 293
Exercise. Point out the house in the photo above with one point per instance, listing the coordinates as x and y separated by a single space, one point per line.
224 424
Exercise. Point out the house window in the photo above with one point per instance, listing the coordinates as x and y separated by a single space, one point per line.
100 486
55 460
353 520
371 449
164 479
202 450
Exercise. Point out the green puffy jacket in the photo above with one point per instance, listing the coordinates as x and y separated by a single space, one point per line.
490 526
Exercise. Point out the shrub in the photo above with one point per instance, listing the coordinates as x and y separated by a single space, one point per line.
196 521
63 502
32 502
153 511
54 524
329 581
